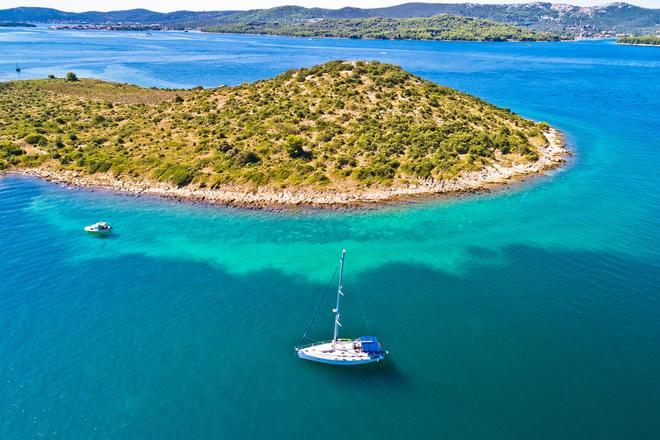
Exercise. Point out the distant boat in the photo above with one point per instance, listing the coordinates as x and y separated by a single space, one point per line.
363 350
18 69
148 34
99 228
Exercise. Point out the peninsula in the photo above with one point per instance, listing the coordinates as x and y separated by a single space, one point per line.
640 40
438 27
340 133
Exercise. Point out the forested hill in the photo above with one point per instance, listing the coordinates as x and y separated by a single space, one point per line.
438 27
556 18
339 123
549 17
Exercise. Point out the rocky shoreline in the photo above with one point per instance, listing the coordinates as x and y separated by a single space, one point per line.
550 157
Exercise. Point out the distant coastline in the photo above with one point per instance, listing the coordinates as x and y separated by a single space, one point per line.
436 28
604 21
111 27
639 44
441 27
150 28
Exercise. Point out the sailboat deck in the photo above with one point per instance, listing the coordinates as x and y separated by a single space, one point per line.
343 352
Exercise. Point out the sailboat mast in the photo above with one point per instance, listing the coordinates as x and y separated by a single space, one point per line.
339 293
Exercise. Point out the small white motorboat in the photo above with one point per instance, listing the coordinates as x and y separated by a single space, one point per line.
100 228
363 350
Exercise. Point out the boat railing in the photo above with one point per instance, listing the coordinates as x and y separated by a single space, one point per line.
300 347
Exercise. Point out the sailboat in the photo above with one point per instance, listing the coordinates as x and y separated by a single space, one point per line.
18 69
341 351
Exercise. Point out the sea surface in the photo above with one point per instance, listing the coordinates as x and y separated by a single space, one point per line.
525 314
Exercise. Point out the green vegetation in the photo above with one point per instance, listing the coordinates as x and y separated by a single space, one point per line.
9 154
342 124
438 27
608 19
652 40
70 76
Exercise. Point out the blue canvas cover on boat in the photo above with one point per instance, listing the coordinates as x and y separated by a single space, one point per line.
370 344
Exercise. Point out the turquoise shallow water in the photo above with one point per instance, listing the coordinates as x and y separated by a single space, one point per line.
532 313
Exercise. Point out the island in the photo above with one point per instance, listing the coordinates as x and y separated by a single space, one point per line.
336 134
640 40
437 27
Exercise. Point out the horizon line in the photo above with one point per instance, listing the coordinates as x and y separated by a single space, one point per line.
330 9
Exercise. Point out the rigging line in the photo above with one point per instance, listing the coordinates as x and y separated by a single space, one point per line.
318 307
364 314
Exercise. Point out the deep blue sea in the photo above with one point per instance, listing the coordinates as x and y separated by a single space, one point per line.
525 314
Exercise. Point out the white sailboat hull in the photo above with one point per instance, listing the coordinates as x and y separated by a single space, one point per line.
342 352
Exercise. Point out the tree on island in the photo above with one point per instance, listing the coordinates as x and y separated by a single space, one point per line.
72 77
294 146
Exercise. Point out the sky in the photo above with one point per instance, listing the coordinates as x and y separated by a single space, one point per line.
217 5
